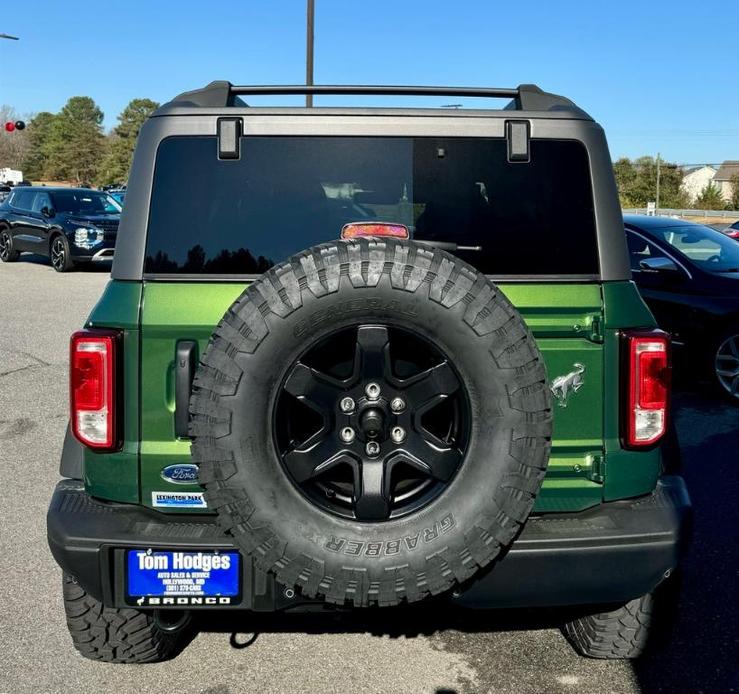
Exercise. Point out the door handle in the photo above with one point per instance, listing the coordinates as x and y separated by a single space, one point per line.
186 357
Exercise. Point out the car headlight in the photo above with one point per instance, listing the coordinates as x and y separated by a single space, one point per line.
87 237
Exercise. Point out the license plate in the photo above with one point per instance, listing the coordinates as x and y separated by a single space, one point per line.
171 578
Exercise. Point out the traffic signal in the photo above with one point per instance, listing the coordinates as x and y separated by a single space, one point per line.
10 126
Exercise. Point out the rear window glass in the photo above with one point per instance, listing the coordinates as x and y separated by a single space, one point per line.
285 194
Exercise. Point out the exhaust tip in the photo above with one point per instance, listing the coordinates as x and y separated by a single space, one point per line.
171 620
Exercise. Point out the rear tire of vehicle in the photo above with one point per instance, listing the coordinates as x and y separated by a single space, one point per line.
628 631
7 254
116 635
59 254
614 635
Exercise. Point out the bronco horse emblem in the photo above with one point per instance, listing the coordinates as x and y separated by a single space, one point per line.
563 386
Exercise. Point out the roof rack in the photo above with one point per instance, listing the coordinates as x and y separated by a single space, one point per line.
525 97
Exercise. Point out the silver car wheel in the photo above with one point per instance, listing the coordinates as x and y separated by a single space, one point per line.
5 245
57 253
727 365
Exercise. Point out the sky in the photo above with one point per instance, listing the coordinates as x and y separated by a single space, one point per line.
660 76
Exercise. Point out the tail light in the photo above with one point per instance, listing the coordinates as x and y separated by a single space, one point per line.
92 388
648 392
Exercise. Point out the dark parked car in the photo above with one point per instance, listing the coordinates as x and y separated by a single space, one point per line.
689 276
4 191
69 225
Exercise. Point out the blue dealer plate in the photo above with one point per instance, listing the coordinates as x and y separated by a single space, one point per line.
175 574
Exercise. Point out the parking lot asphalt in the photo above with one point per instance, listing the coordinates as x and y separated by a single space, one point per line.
493 652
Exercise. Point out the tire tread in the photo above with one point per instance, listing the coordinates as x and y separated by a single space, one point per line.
618 634
114 635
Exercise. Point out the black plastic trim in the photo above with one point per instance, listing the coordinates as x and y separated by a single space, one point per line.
518 138
613 552
72 463
186 360
189 277
229 138
368 89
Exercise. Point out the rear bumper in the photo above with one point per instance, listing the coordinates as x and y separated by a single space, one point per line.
612 553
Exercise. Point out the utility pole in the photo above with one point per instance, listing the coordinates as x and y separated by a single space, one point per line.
656 200
309 52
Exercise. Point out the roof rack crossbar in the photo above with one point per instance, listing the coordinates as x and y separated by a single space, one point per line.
525 97
375 89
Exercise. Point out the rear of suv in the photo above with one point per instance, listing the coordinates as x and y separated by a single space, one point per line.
357 358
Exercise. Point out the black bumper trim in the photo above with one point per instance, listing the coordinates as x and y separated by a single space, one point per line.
611 553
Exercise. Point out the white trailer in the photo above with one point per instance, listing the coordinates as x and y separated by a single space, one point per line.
10 176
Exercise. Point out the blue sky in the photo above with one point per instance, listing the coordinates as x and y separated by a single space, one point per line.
659 75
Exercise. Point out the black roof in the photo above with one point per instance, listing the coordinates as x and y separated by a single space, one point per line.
56 189
643 221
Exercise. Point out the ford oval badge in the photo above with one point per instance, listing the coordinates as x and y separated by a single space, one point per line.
181 473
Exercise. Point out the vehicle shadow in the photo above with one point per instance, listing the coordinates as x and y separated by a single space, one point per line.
700 652
34 259
408 621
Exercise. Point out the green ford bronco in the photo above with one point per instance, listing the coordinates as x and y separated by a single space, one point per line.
356 358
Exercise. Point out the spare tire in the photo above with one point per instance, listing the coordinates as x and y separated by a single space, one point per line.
372 422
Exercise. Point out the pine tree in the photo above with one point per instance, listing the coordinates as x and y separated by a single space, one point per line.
734 192
75 143
710 198
34 163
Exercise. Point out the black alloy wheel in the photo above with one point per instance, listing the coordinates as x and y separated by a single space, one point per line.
7 254
372 422
60 260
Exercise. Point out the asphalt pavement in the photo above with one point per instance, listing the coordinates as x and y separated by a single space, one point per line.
428 651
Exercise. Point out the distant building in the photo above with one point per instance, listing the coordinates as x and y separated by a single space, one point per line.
722 179
10 176
696 179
